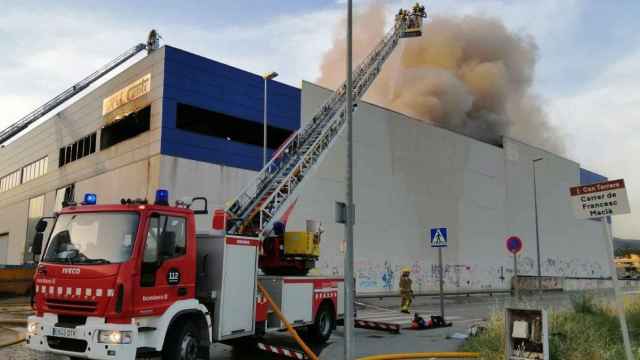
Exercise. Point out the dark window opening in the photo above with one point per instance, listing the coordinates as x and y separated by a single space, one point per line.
79 149
64 196
129 126
212 123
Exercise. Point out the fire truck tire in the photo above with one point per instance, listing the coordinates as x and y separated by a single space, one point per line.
182 342
323 324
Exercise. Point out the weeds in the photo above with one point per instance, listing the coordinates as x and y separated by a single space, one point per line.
590 331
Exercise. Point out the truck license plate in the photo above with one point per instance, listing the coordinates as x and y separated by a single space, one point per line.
64 332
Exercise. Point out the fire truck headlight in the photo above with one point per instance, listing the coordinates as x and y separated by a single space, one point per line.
32 328
114 337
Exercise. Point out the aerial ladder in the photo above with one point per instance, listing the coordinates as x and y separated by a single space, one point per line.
153 42
260 204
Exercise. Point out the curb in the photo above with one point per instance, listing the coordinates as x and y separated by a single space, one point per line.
394 294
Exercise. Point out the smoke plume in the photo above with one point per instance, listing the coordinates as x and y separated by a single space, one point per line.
469 74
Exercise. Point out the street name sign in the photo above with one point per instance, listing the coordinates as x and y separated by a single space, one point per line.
599 200
439 237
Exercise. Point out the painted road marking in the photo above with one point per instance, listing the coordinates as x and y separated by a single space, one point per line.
385 315
393 317
373 307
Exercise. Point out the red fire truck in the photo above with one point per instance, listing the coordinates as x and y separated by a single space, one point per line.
117 281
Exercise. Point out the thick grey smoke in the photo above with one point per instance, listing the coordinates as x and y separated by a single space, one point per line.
469 74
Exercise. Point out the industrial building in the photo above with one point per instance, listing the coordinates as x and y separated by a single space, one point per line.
193 126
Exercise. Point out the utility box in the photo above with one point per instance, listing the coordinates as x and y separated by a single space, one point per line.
527 334
292 295
226 276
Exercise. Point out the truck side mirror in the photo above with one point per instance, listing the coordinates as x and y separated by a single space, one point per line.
205 208
41 226
167 244
36 247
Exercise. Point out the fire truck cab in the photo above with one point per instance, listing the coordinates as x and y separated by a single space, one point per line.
119 281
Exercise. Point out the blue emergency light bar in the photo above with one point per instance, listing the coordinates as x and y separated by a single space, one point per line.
162 197
90 199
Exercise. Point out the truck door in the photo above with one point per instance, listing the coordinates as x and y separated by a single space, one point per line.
164 268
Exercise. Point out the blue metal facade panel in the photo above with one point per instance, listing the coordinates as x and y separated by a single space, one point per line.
197 81
588 177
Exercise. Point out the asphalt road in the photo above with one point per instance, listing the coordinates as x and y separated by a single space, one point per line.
461 311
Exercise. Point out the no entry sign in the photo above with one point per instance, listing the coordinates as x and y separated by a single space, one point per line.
514 244
599 200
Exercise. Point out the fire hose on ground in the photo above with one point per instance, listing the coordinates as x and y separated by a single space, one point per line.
424 355
18 338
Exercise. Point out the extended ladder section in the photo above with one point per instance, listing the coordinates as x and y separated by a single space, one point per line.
262 201
38 113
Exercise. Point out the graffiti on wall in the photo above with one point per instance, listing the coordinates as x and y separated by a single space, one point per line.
383 275
387 276
567 267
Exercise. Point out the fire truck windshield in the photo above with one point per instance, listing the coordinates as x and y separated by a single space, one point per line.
92 238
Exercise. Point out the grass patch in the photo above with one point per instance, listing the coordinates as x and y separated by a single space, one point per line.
590 331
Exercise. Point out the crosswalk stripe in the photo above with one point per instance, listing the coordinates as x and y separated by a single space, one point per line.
374 316
387 318
386 315
399 319
376 311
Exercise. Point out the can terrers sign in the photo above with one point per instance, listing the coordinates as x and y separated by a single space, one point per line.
127 94
598 200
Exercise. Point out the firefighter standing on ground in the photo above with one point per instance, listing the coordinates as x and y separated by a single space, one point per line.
405 290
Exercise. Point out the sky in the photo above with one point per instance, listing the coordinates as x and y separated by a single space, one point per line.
587 72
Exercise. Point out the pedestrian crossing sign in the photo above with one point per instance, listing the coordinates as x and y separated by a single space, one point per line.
439 237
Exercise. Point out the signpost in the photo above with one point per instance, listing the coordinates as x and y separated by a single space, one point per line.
514 246
438 240
599 201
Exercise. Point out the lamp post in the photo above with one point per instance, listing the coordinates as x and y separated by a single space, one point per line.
349 286
266 77
535 209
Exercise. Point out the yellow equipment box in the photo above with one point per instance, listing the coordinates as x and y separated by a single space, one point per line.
301 243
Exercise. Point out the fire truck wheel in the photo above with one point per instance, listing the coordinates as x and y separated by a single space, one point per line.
182 343
323 325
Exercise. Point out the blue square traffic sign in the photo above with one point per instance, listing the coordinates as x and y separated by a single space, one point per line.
438 237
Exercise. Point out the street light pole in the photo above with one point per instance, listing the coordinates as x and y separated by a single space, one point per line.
535 209
348 256
266 77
